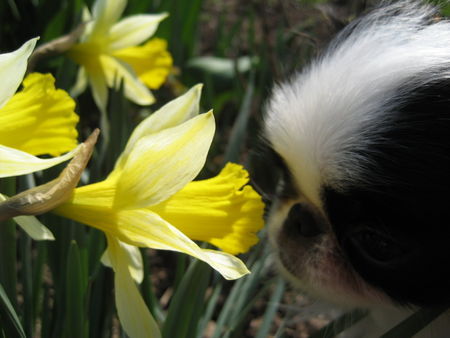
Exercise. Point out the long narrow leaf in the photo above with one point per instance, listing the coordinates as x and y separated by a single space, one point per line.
416 322
209 311
187 303
148 293
9 320
340 324
75 291
271 311
239 131
8 256
27 284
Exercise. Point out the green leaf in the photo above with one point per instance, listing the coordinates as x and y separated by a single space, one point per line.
209 310
187 303
148 293
75 323
38 275
8 255
27 284
9 320
271 310
240 300
239 131
340 324
222 67
414 323
180 28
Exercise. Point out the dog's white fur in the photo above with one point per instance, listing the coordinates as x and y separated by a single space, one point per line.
341 101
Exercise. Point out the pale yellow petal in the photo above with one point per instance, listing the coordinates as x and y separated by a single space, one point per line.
39 119
80 83
32 226
117 72
99 88
88 55
14 162
151 62
162 163
105 13
147 229
134 30
86 18
134 315
134 257
170 115
219 210
12 69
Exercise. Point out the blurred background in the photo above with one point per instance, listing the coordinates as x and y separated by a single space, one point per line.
238 50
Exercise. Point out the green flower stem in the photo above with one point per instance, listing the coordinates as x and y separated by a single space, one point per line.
8 269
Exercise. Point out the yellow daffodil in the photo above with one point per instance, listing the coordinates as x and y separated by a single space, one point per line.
149 200
108 54
35 121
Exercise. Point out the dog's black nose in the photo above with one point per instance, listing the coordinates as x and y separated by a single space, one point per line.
303 220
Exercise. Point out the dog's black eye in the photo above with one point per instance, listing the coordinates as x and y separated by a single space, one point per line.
376 246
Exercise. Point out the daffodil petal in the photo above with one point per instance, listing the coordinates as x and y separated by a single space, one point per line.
137 323
116 72
151 62
14 162
170 115
35 229
32 226
39 119
222 210
93 68
145 228
12 69
134 257
160 164
99 90
105 13
134 30
86 18
80 83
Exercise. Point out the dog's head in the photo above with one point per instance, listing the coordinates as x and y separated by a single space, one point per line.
363 138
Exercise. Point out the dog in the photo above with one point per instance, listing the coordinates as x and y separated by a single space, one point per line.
361 216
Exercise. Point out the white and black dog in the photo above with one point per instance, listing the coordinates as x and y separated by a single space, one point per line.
362 216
